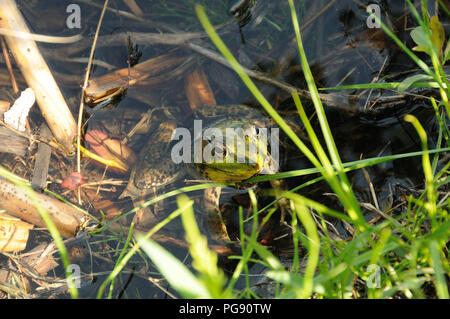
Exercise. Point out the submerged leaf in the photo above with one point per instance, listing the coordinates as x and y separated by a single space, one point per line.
419 36
74 180
111 150
447 51
438 35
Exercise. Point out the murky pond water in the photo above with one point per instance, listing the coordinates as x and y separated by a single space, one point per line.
341 50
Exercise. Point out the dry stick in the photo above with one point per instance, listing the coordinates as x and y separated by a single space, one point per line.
374 80
9 67
12 143
120 38
318 14
31 138
38 76
43 156
132 16
86 79
132 5
39 37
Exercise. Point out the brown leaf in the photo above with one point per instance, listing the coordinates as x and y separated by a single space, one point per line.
110 149
74 180
198 90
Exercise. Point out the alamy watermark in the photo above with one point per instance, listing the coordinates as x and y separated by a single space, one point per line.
237 145
74 18
75 276
374 279
373 9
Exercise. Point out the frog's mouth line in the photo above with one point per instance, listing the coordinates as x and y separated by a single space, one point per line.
226 175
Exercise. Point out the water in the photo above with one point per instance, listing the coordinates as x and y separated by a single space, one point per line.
341 51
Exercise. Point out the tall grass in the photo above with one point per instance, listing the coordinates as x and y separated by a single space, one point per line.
397 256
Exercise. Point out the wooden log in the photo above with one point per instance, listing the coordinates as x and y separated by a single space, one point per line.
41 165
38 76
12 143
16 201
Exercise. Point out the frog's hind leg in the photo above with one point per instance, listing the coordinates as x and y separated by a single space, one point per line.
144 215
283 204
147 217
213 216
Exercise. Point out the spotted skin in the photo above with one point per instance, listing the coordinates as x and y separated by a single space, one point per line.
155 168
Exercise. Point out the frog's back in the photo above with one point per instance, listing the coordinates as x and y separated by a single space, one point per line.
154 167
236 111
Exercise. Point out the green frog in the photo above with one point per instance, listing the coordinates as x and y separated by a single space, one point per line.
156 168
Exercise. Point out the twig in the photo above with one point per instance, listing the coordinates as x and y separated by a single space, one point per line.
134 7
85 84
9 66
41 165
39 37
31 138
132 16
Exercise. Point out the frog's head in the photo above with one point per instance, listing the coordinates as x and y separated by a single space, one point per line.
233 151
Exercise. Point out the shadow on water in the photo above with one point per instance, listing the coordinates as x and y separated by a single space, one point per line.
341 51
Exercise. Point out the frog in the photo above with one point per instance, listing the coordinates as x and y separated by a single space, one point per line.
156 169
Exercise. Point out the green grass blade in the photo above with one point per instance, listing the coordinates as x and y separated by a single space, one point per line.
426 164
342 187
251 86
177 274
119 267
204 260
439 274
